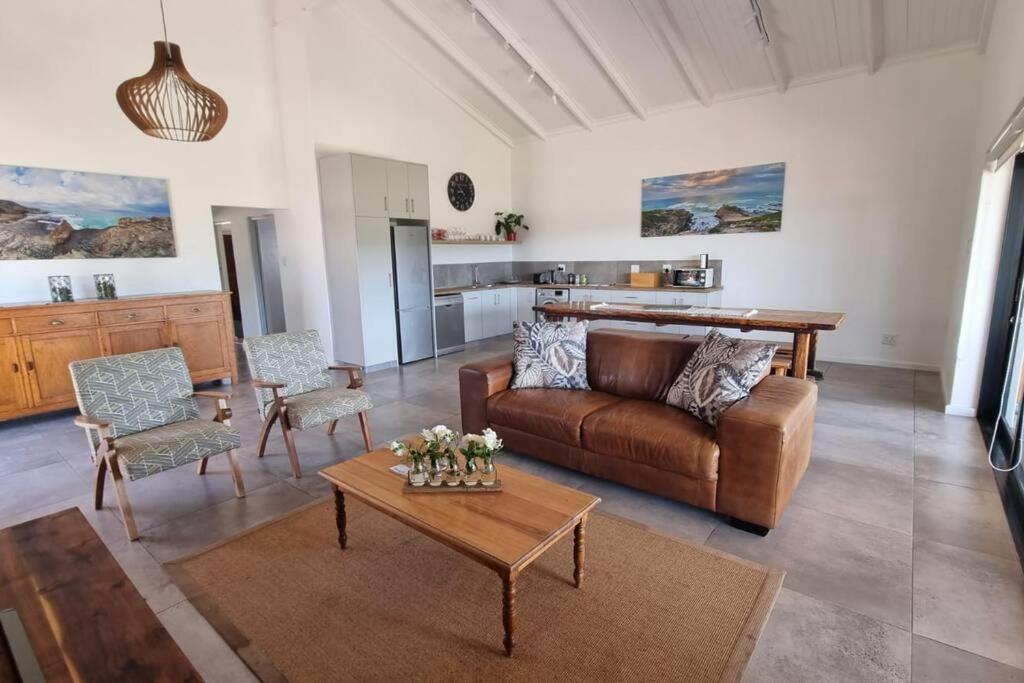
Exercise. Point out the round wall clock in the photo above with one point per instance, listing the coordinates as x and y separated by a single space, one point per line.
461 192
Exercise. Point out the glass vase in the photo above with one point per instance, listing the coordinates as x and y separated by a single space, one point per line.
417 473
438 466
453 475
60 288
488 473
472 477
105 288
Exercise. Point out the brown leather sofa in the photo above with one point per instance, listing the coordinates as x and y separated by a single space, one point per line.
624 431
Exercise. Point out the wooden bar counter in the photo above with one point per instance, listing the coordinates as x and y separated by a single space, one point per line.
804 325
37 341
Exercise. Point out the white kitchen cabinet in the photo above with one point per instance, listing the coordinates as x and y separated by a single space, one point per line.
677 298
398 189
419 192
376 296
369 186
625 296
526 299
496 310
472 312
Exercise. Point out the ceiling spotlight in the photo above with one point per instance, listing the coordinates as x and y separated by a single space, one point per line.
554 98
474 17
508 45
533 74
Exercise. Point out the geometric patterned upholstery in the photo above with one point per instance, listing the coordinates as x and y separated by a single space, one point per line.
295 359
135 391
318 407
169 446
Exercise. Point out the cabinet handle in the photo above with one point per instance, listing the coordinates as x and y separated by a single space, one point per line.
196 309
407 205
413 200
56 322
14 368
389 281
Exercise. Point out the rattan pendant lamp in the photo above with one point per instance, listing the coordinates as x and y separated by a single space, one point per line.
167 103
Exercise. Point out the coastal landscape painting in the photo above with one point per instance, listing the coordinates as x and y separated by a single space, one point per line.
52 214
746 199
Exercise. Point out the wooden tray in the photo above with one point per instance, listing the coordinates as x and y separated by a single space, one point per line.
461 488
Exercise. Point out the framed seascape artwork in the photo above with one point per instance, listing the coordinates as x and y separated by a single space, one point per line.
731 200
50 214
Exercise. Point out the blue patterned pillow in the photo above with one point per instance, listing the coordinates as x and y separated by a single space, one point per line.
550 356
720 372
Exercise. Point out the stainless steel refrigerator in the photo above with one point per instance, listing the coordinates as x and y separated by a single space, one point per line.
414 296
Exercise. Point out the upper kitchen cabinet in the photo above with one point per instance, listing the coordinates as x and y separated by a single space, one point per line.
419 196
407 190
370 186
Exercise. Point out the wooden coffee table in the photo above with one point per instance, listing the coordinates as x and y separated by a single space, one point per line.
505 531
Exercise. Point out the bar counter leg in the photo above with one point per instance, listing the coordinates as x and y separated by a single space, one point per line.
339 510
801 347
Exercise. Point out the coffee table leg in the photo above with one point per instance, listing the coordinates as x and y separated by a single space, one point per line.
339 510
508 613
579 551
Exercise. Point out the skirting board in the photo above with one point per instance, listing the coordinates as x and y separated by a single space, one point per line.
879 362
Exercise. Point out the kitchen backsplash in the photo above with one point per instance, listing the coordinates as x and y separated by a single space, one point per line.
598 272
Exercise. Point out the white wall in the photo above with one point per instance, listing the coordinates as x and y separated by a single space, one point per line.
873 203
366 99
63 62
982 226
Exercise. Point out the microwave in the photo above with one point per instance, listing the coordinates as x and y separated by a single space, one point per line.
693 277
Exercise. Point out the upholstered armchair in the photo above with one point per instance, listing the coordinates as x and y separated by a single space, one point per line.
290 374
142 418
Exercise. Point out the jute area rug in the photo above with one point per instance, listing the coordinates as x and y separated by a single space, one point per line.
396 606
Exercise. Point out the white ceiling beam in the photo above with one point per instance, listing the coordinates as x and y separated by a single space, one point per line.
489 13
583 31
403 54
424 25
654 17
986 25
777 67
872 33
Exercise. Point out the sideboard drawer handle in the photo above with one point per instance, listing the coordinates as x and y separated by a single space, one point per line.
196 309
56 321
132 316
14 368
31 366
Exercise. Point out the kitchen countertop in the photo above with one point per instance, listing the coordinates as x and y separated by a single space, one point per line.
441 291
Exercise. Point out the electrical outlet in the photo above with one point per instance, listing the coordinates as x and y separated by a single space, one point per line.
561 267
666 267
635 268
888 340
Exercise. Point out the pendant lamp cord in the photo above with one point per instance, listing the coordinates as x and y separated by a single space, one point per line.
163 19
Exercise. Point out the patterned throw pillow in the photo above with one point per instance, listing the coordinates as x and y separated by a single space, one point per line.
720 372
550 356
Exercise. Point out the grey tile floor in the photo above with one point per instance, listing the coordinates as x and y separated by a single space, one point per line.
899 563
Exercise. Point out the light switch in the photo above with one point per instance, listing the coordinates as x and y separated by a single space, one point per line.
634 268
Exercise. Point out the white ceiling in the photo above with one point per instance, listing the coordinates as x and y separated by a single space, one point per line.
613 60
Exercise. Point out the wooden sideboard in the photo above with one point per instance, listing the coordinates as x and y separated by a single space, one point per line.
37 341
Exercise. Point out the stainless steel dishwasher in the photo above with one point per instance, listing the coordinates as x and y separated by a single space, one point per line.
450 323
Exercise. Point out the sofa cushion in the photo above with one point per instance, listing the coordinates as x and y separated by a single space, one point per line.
549 355
639 365
654 434
555 414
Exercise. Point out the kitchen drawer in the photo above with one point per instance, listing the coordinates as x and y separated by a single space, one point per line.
132 315
48 323
633 325
194 310
620 296
6 326
677 298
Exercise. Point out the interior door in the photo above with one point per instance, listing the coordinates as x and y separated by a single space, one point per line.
13 396
132 338
270 294
370 186
376 293
398 189
419 191
47 357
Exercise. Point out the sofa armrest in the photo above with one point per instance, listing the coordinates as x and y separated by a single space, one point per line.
764 446
477 382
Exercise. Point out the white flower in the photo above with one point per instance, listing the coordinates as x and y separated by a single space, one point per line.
471 439
398 448
491 440
427 434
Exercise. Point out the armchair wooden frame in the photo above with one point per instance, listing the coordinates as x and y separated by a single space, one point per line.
105 458
279 412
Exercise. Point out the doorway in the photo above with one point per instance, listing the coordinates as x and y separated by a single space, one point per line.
249 259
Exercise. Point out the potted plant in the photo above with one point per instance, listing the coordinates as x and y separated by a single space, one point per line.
481 447
509 223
